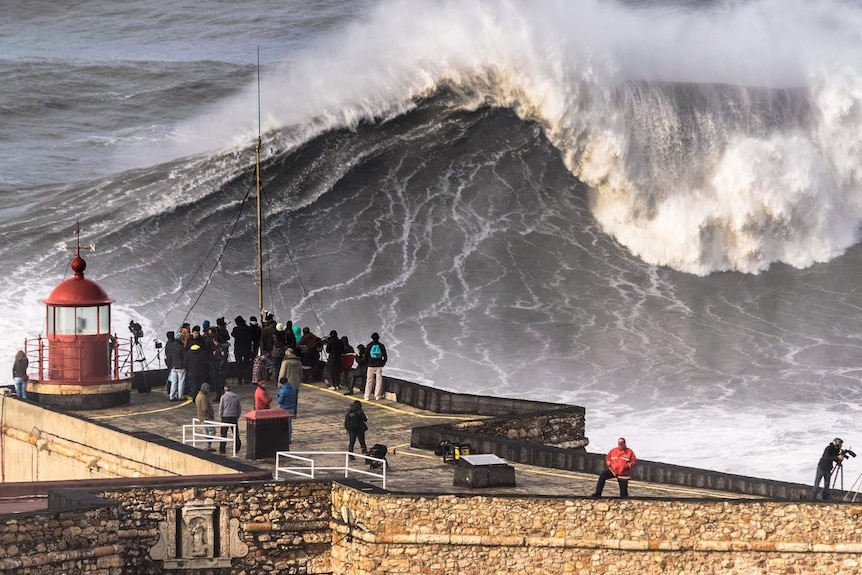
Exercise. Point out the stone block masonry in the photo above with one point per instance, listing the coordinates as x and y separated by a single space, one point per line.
465 535
82 541
300 527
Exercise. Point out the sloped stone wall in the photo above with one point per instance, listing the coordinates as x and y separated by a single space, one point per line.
556 428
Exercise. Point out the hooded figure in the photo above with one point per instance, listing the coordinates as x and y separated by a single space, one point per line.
262 400
175 359
205 410
356 426
291 369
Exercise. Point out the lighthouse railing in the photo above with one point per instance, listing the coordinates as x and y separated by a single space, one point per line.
71 360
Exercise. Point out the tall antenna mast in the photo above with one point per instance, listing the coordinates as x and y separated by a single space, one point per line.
259 201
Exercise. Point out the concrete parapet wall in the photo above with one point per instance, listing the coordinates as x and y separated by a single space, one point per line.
577 459
43 444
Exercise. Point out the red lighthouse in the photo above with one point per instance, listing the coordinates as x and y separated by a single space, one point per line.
79 367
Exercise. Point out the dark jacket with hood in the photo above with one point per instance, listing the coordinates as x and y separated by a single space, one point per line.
241 338
198 358
175 353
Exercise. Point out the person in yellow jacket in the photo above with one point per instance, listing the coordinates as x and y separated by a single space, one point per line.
619 461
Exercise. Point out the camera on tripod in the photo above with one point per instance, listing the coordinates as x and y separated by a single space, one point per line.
158 344
136 330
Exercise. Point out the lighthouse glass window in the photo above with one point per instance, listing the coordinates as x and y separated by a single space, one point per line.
78 320
86 321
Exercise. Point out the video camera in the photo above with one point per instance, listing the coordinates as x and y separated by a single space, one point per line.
849 452
136 330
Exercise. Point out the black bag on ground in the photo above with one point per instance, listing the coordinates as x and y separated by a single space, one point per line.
377 450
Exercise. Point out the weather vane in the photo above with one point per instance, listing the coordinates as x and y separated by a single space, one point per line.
65 247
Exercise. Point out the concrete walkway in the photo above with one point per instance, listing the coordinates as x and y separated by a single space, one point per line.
319 427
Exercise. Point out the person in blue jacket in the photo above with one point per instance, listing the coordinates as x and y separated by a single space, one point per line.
288 400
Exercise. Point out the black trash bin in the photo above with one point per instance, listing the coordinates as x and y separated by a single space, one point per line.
267 431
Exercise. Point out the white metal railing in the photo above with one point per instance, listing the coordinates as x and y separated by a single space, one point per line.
306 466
198 432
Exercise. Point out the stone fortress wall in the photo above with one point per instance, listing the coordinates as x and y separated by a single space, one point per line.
242 524
341 528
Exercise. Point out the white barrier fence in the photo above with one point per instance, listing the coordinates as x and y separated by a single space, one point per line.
303 464
207 431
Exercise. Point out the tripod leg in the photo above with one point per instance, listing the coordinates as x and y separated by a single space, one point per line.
143 385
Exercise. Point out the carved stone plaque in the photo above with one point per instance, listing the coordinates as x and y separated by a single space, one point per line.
198 535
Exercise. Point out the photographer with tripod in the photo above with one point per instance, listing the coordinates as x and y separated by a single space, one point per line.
833 454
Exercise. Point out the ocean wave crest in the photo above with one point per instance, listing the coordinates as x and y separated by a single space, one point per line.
723 137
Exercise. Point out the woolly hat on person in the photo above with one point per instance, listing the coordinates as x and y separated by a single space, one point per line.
252 319
279 327
206 323
205 387
239 319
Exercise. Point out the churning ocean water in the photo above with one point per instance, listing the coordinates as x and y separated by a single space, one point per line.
648 209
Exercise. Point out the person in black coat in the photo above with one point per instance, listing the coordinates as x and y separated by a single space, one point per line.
242 349
356 426
332 371
255 333
290 337
198 361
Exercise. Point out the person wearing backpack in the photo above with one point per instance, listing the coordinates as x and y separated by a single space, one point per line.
375 355
354 423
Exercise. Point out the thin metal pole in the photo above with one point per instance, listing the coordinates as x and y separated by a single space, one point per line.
259 202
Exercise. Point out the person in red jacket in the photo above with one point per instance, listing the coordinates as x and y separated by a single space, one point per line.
619 461
262 399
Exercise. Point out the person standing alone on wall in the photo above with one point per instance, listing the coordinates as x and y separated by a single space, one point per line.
833 454
619 463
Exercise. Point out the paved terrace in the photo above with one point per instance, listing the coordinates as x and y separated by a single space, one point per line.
318 427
